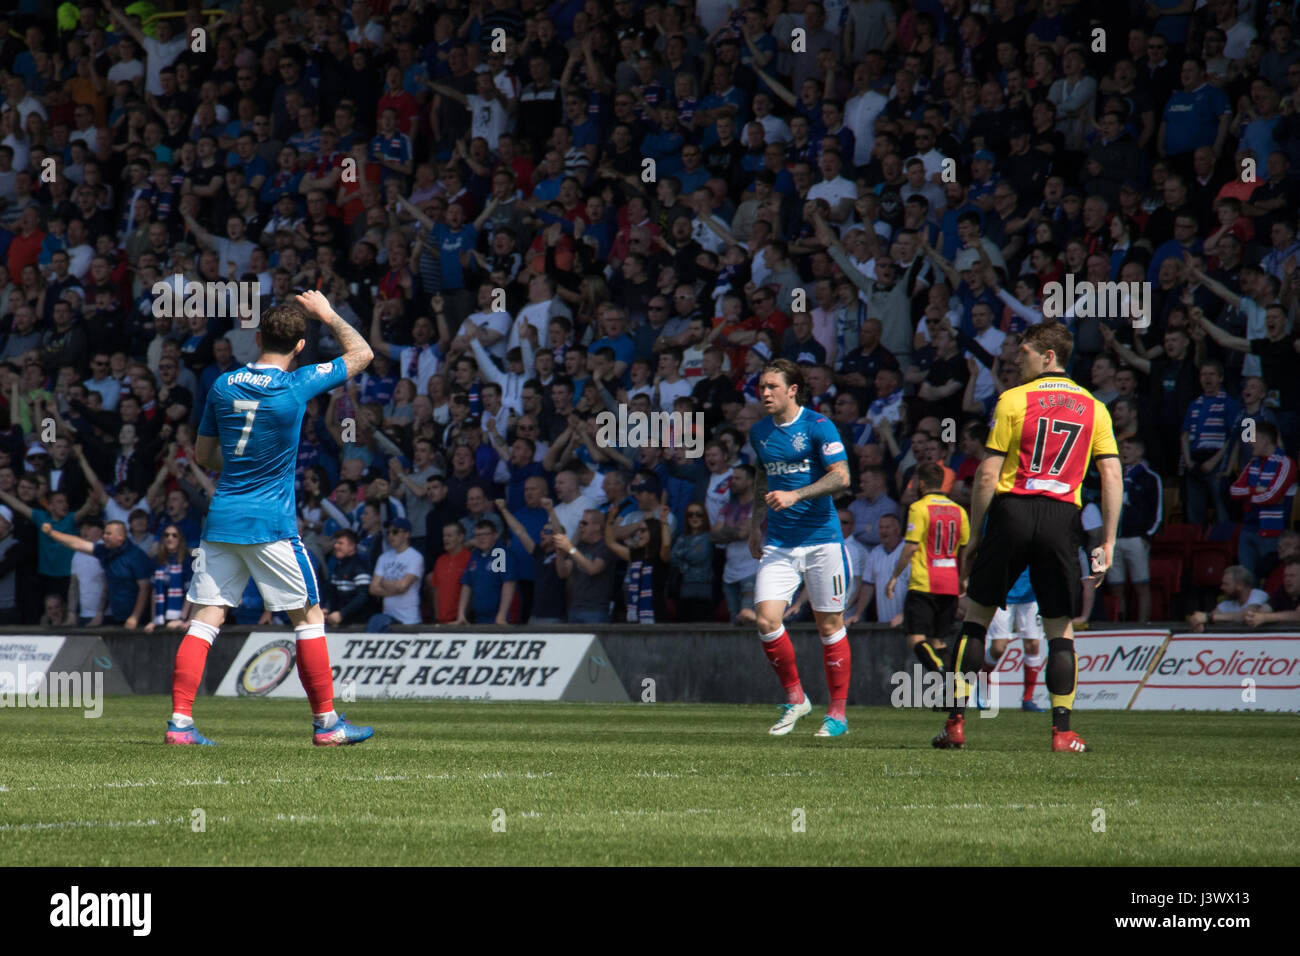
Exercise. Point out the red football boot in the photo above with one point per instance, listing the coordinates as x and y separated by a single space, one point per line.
953 735
1067 742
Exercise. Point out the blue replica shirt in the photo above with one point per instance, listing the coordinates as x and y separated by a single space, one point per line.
124 569
1022 592
795 456
1192 119
256 412
485 584
452 245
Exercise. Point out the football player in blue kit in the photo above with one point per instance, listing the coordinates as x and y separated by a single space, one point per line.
801 466
250 430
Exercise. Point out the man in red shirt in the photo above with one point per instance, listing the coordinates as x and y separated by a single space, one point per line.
25 248
395 97
766 316
444 581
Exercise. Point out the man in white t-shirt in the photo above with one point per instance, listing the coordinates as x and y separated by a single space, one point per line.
572 503
876 571
840 193
493 327
161 50
670 385
89 583
397 579
542 305
991 339
1239 595
860 113
128 68
488 107
720 473
775 129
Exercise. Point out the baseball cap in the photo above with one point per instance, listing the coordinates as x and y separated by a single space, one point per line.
399 524
1017 129
36 448
986 155
649 483
1131 185
761 349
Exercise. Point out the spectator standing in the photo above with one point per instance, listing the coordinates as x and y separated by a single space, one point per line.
1266 489
1205 446
692 556
347 585
448 571
1139 519
732 530
489 580
396 579
126 568
588 567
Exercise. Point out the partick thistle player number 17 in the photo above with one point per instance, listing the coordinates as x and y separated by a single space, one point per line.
801 465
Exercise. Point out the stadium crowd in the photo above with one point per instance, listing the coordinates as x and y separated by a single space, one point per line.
538 212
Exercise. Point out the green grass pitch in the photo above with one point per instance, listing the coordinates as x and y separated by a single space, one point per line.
657 784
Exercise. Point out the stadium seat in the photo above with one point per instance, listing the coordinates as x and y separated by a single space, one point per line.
1209 558
1172 496
1225 531
1180 532
1166 584
1159 603
1175 541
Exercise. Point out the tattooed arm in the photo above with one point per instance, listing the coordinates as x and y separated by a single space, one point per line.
356 351
835 480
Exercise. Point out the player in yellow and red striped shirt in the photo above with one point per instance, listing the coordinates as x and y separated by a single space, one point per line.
937 533
1045 432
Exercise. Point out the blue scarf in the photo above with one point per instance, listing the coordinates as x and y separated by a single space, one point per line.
640 592
168 592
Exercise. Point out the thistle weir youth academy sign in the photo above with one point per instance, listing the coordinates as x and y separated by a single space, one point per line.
516 665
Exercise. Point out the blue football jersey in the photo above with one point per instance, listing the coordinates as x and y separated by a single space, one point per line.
256 413
795 456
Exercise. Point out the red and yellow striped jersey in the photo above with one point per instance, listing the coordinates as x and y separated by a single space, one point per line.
1048 430
940 527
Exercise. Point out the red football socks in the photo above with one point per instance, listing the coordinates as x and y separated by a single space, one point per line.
314 667
836 657
1031 680
780 654
187 672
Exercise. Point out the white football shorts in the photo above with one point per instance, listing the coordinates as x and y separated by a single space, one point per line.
824 569
1016 620
280 569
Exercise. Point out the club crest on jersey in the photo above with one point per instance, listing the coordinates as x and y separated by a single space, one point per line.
799 441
